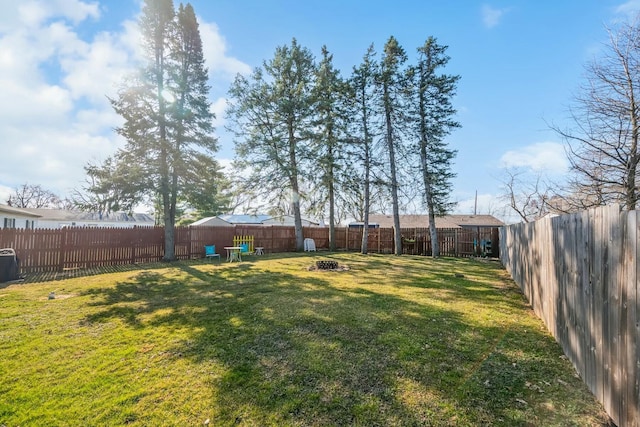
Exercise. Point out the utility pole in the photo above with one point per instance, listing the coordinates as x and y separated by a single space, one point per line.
475 205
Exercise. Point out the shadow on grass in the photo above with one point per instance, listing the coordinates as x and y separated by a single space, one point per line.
296 349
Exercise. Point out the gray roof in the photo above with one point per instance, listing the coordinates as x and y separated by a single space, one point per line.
244 219
17 211
240 219
447 221
68 215
211 220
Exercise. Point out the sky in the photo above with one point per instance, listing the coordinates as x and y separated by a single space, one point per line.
520 62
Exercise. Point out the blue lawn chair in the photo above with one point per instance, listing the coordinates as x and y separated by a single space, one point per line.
244 249
210 251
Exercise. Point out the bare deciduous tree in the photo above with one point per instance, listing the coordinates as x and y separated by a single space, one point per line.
527 195
33 196
603 141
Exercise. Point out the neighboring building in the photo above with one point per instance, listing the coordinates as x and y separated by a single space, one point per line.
233 219
212 221
448 221
289 220
361 225
11 217
60 218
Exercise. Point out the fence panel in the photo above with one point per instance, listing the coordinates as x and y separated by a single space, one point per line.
203 235
37 250
82 247
580 273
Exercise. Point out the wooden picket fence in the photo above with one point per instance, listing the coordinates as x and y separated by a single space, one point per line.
580 273
244 240
83 247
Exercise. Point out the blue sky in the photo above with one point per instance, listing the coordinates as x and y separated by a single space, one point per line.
520 63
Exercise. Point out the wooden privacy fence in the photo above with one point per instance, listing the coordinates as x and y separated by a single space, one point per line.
82 247
580 273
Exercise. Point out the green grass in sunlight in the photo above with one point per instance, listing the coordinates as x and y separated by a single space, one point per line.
392 341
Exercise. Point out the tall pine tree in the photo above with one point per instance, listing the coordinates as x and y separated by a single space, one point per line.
272 112
432 114
167 117
327 152
392 86
362 86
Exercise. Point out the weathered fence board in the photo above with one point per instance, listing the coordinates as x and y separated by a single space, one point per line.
580 273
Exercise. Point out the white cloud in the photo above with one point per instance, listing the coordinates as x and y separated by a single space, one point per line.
5 192
25 104
541 156
227 164
96 72
629 8
214 47
491 16
218 107
34 13
55 117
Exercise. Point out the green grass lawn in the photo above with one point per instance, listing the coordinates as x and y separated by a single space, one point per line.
392 341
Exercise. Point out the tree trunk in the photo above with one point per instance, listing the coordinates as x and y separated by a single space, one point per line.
428 187
364 249
332 203
634 157
433 231
394 179
365 230
295 188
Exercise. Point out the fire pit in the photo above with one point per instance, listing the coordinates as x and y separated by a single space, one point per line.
327 265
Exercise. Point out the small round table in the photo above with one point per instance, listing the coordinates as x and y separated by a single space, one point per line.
259 250
233 253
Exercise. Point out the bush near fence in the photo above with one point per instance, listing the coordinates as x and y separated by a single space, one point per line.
580 274
83 247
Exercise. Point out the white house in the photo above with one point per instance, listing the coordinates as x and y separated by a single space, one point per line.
59 218
11 217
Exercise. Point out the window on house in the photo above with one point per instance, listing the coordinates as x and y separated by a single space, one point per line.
9 223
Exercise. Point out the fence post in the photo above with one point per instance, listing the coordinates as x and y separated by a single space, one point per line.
346 243
134 241
190 244
455 239
63 248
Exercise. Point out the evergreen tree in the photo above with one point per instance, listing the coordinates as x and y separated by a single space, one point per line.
432 119
273 112
208 191
362 86
110 187
392 86
327 152
165 108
